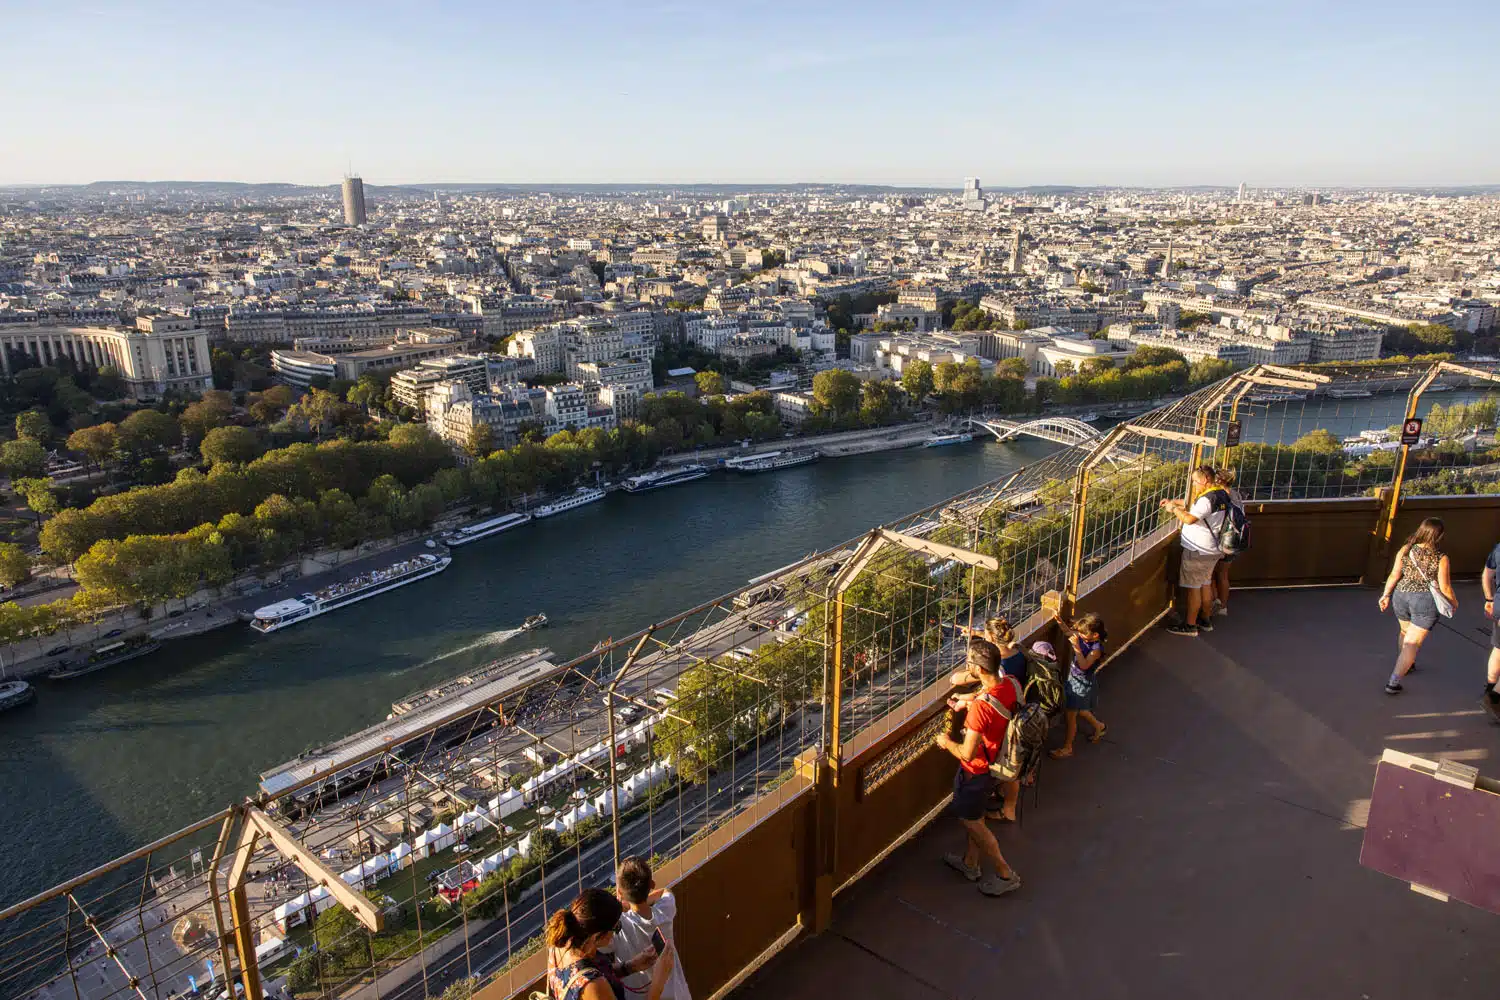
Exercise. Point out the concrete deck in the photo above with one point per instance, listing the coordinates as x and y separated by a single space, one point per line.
1209 847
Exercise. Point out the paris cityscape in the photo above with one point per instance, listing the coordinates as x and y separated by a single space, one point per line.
709 472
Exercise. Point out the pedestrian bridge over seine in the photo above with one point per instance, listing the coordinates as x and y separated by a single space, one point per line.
1059 430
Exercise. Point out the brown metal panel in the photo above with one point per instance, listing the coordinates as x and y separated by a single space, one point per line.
1295 542
1471 528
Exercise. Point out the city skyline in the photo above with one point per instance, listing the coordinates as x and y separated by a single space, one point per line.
1152 95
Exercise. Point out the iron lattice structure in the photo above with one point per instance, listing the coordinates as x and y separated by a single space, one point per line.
652 744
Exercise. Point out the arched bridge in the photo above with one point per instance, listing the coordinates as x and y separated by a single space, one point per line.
1061 430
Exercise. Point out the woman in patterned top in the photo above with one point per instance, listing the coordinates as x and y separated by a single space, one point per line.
1420 564
576 970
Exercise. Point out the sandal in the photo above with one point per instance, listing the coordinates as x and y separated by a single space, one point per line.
1099 734
1060 753
998 816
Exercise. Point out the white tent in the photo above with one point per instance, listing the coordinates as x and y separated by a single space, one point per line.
291 913
354 877
509 853
586 811
375 868
321 899
399 855
604 804
489 864
556 827
510 802
444 837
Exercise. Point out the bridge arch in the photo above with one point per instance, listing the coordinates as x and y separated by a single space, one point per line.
1060 430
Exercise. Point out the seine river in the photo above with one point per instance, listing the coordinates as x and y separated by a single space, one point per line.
101 765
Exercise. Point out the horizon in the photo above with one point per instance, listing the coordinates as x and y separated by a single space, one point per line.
1167 94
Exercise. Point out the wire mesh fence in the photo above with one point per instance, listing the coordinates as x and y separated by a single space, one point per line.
461 835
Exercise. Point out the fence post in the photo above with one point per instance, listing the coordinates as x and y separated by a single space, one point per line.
1386 523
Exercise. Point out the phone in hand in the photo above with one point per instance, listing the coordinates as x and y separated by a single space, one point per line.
658 942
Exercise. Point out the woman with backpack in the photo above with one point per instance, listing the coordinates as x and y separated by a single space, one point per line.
1418 587
1086 636
1224 480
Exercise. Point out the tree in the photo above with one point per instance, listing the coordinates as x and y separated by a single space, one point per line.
230 444
23 457
481 440
221 362
96 443
943 375
1012 368
109 383
269 406
1206 370
38 495
147 431
878 402
15 565
213 410
711 384
836 391
33 425
917 380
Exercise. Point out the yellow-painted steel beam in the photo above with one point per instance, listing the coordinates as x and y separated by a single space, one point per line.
940 550
352 899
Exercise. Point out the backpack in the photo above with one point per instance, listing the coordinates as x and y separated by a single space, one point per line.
1021 749
1044 684
1234 529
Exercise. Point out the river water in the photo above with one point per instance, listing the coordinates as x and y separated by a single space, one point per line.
103 764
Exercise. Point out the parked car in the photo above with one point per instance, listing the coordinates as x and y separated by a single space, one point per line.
114 632
58 650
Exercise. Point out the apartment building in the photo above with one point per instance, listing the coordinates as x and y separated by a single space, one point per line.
301 367
410 387
543 347
624 383
284 326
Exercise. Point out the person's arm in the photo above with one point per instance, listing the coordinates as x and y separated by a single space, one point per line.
662 973
965 751
1392 578
1179 510
1487 581
599 989
1086 663
1445 581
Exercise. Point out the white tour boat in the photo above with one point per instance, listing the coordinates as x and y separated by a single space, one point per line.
665 477
584 495
296 609
483 529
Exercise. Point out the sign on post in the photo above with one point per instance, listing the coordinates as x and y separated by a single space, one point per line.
1232 434
1411 431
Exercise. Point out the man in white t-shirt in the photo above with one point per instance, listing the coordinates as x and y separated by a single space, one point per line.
1201 523
647 909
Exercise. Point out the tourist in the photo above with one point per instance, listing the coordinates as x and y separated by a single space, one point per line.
1224 479
575 937
1200 553
1012 654
984 731
1420 568
647 910
1491 699
1081 696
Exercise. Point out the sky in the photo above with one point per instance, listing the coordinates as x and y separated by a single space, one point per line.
1130 93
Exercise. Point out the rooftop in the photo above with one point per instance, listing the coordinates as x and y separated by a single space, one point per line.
1209 846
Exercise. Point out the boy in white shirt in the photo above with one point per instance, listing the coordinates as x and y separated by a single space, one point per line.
647 909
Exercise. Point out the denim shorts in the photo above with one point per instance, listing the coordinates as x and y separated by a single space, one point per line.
1415 608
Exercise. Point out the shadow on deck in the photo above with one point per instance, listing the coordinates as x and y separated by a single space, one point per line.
1209 847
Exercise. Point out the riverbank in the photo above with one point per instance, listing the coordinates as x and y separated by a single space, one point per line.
859 442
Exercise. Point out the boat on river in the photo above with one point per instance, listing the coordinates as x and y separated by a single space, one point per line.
533 622
14 694
665 477
771 461
941 440
293 610
108 655
483 529
584 495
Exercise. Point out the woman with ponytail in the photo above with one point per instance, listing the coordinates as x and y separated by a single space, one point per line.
575 968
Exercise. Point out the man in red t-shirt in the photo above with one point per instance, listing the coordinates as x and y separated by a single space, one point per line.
984 732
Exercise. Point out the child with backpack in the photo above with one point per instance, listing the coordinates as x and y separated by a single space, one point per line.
1081 698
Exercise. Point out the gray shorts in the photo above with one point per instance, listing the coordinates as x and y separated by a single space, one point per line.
1197 568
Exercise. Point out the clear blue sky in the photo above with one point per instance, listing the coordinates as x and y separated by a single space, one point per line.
1131 92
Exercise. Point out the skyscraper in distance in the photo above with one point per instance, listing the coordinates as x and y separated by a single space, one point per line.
1242 191
1015 250
354 201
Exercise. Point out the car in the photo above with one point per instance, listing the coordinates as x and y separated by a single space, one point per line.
58 650
114 632
175 614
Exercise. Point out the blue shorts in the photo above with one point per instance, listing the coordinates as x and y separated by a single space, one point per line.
971 794
1415 608
1081 694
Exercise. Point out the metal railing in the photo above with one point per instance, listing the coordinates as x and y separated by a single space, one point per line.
404 867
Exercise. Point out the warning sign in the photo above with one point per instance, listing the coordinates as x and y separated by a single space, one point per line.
1232 434
1411 431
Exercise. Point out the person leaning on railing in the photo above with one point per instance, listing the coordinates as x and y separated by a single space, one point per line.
1200 553
576 970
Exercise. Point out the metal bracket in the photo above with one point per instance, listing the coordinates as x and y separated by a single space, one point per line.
1454 773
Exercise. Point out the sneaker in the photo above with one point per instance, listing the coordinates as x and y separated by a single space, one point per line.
1205 625
1491 702
956 862
1219 608
1182 628
994 885
1393 687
